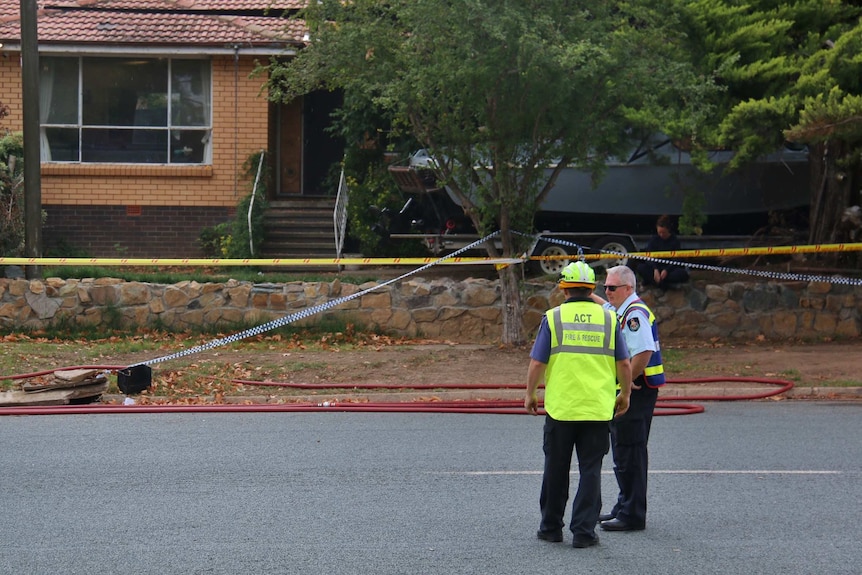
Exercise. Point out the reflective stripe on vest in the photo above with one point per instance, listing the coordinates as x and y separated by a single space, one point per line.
654 371
580 380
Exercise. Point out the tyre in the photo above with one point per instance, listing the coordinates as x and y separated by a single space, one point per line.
620 245
551 267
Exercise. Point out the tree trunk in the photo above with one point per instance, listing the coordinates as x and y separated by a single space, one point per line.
831 185
510 295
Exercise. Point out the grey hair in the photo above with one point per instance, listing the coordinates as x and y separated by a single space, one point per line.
625 275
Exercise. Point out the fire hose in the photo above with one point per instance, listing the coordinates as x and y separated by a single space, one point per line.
664 406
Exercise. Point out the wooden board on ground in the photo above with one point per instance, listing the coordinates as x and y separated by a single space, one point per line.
52 397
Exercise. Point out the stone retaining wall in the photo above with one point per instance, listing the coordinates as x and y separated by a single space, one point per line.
461 311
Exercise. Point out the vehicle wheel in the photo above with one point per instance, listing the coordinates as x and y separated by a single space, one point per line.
616 244
550 267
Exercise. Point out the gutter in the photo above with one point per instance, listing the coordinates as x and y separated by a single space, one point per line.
101 49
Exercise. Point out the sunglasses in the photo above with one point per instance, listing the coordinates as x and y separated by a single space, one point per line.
615 288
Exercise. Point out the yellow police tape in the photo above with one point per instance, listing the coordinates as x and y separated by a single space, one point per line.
275 262
725 252
250 262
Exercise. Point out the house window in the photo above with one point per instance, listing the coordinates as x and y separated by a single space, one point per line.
125 110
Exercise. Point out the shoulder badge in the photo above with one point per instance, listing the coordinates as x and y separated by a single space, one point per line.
633 323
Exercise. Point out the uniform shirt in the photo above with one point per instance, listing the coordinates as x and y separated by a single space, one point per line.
636 331
542 346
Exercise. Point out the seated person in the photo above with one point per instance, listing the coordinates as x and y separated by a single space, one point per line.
662 274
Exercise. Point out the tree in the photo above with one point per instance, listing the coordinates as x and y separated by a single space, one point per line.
790 71
504 95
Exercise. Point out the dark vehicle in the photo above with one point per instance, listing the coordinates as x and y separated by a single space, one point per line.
654 180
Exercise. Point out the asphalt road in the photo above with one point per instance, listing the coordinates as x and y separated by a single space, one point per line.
767 487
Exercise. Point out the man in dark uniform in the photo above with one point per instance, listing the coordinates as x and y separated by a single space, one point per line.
580 355
630 433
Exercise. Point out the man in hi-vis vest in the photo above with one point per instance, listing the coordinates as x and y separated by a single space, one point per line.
581 356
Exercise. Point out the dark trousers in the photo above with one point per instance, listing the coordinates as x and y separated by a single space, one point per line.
629 437
589 439
675 274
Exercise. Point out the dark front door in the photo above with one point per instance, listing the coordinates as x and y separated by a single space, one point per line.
308 155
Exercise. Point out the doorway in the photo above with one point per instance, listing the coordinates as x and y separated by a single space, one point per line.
307 154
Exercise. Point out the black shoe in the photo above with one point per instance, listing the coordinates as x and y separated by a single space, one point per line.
550 536
606 517
584 542
617 525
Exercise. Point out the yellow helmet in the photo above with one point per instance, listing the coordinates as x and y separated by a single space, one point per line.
577 274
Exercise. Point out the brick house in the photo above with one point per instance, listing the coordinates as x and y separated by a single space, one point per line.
148 113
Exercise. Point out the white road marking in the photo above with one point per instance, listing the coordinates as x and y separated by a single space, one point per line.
675 472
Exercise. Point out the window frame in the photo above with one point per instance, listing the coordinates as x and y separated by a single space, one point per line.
170 131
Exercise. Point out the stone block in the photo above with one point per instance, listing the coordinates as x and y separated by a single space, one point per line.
425 314
825 323
676 299
157 306
530 321
239 295
784 324
725 321
259 300
103 294
136 316
215 298
43 307
175 298
847 327
380 317
278 301
538 302
376 300
716 293
833 303
400 320
18 287
819 288
232 316
134 293
448 313
487 314
444 299
476 295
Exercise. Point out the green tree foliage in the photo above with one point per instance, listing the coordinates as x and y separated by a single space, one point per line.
503 94
789 70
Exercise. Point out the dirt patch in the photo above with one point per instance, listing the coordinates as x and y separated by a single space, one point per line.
811 364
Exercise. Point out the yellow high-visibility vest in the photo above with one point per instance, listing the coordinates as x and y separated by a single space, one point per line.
580 380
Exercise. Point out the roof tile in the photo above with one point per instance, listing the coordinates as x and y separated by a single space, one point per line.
164 22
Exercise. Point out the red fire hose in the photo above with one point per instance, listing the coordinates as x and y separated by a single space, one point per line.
664 406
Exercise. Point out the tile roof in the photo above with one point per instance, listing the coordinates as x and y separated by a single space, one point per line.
158 22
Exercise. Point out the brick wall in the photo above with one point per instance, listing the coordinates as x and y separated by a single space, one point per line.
110 232
240 128
87 203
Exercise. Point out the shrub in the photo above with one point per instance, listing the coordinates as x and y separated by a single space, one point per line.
231 239
11 193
